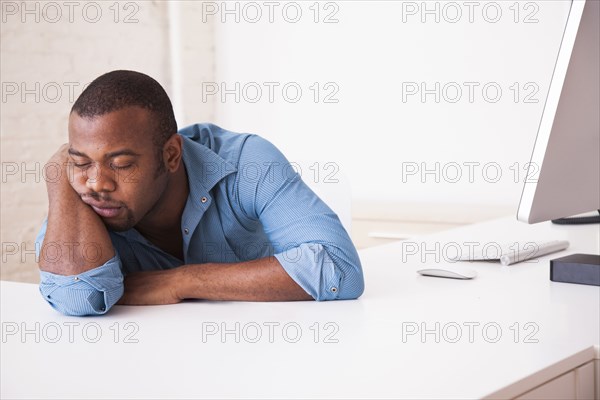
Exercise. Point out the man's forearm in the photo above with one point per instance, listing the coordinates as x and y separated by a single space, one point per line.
258 280
76 239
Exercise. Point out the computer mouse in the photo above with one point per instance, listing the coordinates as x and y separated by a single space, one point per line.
454 272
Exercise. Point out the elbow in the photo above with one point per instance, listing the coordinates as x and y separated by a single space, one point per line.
325 273
80 300
345 281
353 283
352 293
92 292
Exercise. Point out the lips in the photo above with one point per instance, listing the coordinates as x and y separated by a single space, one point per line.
107 212
103 209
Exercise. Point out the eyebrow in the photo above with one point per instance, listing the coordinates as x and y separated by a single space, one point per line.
123 152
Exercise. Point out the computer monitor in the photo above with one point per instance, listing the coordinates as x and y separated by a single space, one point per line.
564 173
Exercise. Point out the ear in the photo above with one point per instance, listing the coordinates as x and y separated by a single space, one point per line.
172 152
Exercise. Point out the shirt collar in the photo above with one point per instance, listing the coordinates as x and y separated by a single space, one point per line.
203 166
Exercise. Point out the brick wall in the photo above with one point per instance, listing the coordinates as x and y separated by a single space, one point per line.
49 51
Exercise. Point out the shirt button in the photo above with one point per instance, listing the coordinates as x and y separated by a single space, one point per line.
204 199
186 231
334 289
76 278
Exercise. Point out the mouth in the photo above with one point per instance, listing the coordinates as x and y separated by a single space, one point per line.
105 210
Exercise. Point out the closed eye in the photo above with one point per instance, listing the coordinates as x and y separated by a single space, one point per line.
84 165
113 166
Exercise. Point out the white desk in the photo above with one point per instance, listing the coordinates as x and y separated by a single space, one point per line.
370 358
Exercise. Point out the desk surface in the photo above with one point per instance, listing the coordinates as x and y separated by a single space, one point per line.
408 336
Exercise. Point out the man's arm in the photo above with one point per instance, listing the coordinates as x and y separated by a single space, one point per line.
80 272
314 256
258 280
76 239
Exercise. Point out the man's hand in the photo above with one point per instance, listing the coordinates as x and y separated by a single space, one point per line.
61 155
154 287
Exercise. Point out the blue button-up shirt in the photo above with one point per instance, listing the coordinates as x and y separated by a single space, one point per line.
245 202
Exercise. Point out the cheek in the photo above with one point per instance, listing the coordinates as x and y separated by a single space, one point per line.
140 193
78 179
127 176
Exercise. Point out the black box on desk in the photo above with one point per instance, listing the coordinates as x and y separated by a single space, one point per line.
576 268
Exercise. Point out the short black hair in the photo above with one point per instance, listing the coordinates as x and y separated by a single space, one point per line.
119 89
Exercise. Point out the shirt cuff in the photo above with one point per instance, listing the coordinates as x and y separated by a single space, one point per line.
311 267
91 292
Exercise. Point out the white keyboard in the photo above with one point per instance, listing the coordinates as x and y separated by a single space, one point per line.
511 252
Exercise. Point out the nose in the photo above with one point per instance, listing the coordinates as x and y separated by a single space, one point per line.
100 180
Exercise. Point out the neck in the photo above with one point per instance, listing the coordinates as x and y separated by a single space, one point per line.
165 217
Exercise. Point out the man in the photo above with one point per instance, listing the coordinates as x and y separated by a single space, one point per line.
198 214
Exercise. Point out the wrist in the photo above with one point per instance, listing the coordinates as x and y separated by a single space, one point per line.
59 186
182 283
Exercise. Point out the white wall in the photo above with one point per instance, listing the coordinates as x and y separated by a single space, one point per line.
371 133
367 54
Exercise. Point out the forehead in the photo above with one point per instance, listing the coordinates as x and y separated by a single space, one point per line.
127 126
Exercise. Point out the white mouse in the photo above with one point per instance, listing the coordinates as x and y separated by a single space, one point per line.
454 272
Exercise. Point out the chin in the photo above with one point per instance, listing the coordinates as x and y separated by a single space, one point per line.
120 226
117 227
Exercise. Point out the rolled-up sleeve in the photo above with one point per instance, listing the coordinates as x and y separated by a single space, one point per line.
91 292
308 238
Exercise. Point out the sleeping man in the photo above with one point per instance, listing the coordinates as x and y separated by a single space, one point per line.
141 213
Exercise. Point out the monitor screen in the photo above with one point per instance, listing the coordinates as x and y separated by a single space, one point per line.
564 173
